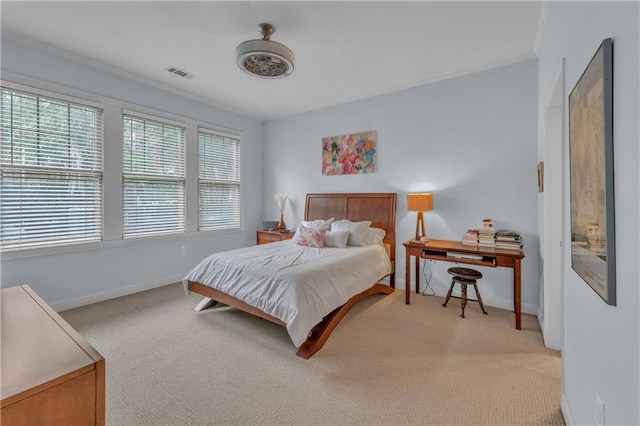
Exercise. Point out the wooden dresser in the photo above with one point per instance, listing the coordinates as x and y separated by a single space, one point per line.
265 237
50 374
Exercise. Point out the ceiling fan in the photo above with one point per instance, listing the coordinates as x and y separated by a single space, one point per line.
265 58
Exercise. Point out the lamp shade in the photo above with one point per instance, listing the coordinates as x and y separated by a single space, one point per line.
420 202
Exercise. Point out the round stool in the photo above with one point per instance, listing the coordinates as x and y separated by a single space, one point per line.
464 276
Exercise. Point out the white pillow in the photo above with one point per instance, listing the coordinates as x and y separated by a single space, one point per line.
357 230
315 224
336 238
318 224
374 236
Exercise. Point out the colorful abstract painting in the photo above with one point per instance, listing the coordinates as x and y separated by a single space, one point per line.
349 154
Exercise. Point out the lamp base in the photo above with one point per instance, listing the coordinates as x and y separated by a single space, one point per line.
281 224
424 239
420 232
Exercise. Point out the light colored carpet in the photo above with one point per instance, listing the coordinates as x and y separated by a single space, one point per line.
386 363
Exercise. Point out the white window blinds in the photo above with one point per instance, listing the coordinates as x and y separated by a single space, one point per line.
153 177
218 181
51 179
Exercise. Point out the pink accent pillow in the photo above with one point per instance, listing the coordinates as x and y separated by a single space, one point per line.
311 237
318 224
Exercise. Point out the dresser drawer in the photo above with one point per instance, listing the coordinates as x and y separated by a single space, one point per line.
63 382
266 237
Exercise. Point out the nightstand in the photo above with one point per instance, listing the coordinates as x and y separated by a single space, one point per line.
266 237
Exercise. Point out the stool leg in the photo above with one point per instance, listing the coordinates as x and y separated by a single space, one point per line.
464 297
449 294
475 286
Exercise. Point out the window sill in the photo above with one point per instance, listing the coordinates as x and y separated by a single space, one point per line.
128 242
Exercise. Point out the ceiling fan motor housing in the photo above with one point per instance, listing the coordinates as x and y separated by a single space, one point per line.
265 58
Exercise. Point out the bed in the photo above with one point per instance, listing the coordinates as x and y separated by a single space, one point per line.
307 290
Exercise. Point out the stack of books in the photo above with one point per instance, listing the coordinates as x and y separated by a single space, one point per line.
470 237
508 239
486 236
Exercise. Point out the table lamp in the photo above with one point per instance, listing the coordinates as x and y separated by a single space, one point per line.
420 202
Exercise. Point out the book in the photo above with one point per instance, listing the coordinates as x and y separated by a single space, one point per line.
508 239
507 233
515 247
470 237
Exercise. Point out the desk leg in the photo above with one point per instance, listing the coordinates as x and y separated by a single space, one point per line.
407 277
417 274
517 294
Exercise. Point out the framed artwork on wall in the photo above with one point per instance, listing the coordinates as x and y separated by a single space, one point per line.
349 154
591 175
540 176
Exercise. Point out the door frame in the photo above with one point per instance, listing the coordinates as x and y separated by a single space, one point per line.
553 216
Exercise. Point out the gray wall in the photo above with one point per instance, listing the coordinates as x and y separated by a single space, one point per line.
117 267
470 140
601 342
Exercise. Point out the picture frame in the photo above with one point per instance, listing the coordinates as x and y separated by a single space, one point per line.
541 176
349 154
591 175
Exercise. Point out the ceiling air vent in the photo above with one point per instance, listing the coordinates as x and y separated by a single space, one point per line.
179 72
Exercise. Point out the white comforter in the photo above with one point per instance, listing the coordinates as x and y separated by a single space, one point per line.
298 285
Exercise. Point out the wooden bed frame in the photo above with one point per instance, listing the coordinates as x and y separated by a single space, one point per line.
379 208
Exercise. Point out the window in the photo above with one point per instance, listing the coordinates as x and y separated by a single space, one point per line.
51 179
218 181
153 177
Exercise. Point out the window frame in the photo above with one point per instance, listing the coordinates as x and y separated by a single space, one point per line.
180 179
238 140
62 173
112 167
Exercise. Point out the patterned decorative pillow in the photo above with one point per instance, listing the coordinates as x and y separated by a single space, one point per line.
311 237
316 224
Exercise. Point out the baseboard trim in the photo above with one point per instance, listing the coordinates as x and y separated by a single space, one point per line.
112 294
540 318
566 411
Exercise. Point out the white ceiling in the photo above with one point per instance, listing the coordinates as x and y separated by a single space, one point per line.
344 50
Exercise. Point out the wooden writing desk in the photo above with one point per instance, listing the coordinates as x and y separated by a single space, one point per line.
455 251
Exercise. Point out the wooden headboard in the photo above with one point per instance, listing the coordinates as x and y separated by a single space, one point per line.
379 208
